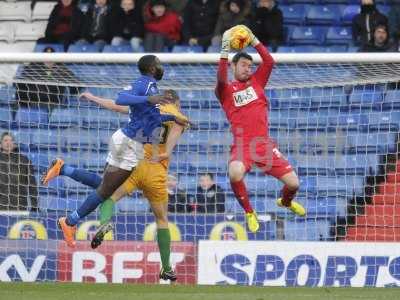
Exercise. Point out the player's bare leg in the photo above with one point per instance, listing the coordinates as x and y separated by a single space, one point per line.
160 211
289 190
237 171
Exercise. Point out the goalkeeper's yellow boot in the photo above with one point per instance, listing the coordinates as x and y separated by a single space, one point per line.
295 207
53 171
252 222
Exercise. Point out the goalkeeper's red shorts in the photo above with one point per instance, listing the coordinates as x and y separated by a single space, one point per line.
265 156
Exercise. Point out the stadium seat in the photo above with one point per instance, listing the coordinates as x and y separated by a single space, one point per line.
89 48
73 187
42 10
384 9
66 117
6 32
101 118
323 14
56 47
348 13
292 98
14 11
209 162
338 36
349 119
117 49
29 31
5 117
41 160
207 119
82 138
31 117
213 49
188 183
384 121
293 14
133 205
328 97
353 49
315 230
374 142
46 139
307 35
189 49
364 96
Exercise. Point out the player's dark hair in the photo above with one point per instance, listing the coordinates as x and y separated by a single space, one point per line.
145 63
211 175
240 55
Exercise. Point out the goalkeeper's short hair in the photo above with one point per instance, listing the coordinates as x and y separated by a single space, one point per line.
240 55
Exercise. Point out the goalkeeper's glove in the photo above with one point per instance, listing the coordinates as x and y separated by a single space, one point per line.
253 39
226 44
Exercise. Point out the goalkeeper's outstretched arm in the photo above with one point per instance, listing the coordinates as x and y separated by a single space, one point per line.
105 103
222 73
265 68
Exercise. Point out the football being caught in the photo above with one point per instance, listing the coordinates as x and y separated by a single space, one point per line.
240 37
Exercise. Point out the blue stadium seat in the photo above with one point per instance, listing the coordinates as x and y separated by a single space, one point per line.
209 162
208 119
31 117
348 13
180 163
353 49
323 14
322 206
334 185
349 119
336 1
316 230
338 36
7 94
213 49
328 97
357 164
102 118
293 14
384 121
66 117
133 205
290 49
46 139
307 35
373 142
365 96
5 117
187 49
188 183
41 160
118 49
384 9
84 139
73 187
86 48
293 98
261 184
56 47
392 96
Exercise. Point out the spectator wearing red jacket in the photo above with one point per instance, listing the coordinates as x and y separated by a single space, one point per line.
163 27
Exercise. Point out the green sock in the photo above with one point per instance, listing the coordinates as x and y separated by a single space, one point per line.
106 211
164 244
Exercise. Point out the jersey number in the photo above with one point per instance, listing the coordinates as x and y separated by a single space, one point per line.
164 133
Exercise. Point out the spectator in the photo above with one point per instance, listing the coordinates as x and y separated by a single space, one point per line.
232 12
177 199
17 180
380 41
394 22
40 93
97 24
64 24
210 198
128 25
163 27
200 18
365 22
177 6
267 23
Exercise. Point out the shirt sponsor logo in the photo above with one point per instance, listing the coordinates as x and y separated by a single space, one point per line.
244 97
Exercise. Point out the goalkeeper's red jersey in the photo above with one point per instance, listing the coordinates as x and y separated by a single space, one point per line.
245 103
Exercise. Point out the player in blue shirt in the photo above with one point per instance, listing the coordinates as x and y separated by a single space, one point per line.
126 144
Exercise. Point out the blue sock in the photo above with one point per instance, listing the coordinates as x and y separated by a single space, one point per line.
81 175
89 205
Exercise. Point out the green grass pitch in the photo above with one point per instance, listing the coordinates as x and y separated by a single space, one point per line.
76 291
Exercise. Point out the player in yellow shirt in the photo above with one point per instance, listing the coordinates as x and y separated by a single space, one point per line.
150 176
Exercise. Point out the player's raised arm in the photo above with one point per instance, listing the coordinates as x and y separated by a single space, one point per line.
222 73
265 68
125 98
105 103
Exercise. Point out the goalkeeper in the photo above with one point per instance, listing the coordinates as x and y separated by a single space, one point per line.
150 176
246 108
